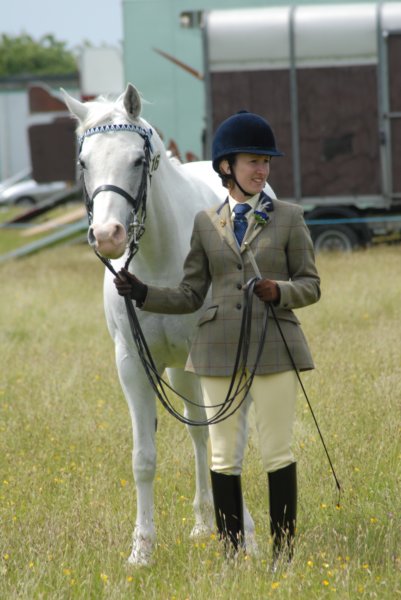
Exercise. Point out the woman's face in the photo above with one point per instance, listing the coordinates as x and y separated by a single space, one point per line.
251 172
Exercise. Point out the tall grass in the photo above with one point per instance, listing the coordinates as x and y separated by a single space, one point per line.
67 499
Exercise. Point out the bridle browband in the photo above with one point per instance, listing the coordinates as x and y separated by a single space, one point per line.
143 131
136 223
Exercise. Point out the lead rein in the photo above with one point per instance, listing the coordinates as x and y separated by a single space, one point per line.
258 274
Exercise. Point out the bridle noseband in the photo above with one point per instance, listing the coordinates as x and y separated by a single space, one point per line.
136 222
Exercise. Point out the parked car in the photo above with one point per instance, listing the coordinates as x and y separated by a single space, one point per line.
29 192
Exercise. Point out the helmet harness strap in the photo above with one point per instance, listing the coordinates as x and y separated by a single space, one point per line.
231 161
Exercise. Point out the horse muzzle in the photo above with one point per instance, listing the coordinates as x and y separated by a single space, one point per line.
108 239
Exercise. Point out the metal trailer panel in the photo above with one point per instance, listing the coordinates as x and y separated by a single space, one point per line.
255 39
327 119
338 133
394 67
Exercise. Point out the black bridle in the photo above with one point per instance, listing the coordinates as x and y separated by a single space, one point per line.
137 217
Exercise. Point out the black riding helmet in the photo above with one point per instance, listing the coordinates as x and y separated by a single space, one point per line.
243 132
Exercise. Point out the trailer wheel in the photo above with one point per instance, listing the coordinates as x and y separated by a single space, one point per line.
336 238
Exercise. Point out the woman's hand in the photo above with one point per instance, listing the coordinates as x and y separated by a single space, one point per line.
267 290
129 285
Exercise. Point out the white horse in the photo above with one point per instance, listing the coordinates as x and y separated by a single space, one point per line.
113 160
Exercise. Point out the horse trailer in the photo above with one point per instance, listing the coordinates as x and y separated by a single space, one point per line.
328 79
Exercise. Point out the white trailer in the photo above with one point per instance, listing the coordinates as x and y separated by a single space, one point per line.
328 79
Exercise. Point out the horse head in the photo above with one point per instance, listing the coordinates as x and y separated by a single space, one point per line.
114 156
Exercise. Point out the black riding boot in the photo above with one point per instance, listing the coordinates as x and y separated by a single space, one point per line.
283 511
228 508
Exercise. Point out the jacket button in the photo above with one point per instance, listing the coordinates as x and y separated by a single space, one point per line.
238 306
239 286
239 267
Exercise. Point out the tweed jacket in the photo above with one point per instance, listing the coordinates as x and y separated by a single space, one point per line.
283 250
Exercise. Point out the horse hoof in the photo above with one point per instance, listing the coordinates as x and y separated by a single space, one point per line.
142 552
138 559
201 530
251 545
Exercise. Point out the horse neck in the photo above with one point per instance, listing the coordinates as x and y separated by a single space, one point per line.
174 190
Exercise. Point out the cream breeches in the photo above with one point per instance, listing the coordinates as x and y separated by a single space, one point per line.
274 399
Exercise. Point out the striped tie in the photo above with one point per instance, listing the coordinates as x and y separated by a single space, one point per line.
240 221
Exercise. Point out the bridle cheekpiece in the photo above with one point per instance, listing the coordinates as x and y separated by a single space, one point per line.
136 223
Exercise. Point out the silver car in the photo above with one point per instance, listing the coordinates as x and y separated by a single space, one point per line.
29 192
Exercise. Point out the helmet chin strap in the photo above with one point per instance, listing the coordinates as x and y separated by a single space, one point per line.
232 173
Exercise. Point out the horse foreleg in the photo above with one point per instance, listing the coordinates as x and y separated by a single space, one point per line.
141 403
188 385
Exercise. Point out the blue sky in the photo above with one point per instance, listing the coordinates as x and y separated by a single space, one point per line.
72 21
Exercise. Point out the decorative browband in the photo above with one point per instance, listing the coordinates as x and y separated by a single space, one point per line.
145 133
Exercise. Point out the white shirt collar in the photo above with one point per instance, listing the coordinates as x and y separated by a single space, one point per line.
253 202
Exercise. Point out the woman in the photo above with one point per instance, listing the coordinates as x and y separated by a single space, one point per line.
276 234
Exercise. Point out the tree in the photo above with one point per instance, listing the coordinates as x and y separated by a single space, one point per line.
22 55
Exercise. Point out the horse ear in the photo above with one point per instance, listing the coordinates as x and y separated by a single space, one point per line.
132 101
75 107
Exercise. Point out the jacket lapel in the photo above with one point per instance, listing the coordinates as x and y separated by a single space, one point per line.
222 221
259 221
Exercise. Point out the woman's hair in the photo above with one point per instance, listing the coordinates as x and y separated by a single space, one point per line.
227 178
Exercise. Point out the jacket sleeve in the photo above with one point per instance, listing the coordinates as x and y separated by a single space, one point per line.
303 287
191 292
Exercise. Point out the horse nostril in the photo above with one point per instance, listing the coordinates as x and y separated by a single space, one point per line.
91 236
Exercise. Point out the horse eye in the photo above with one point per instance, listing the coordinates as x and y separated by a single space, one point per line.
138 162
81 163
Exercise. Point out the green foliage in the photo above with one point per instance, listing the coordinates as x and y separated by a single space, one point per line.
22 55
67 497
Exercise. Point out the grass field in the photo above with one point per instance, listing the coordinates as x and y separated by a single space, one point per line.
67 499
